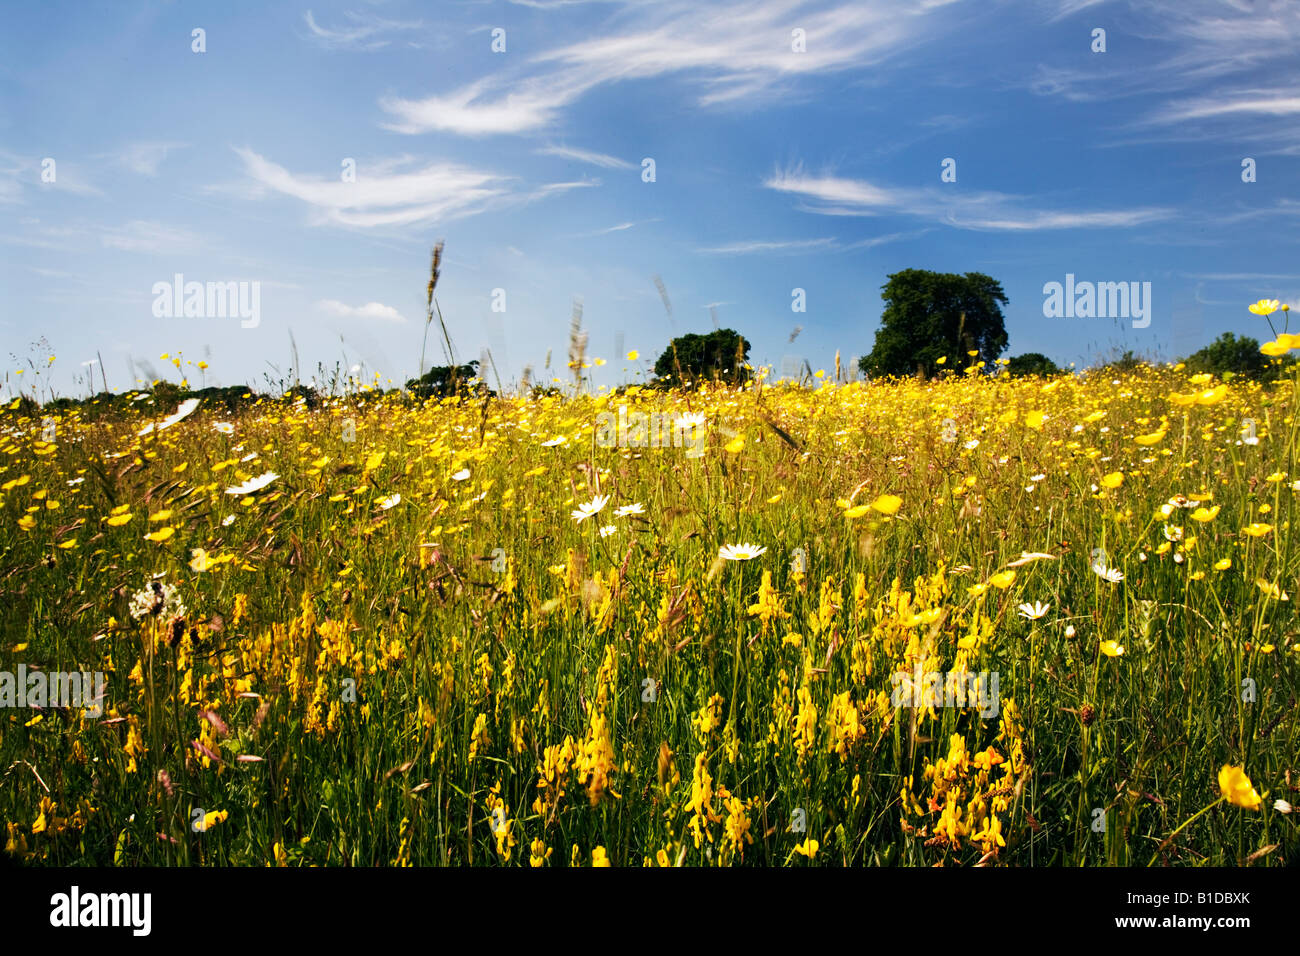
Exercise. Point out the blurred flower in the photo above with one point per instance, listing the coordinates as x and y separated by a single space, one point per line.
1033 611
740 552
589 508
1237 788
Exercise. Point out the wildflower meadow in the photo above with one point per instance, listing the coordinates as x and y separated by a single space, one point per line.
973 619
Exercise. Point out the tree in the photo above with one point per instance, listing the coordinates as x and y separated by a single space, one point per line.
929 315
442 381
720 355
1228 353
1032 363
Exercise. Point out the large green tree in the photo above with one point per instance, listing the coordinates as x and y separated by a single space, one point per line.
444 380
1231 354
929 315
721 355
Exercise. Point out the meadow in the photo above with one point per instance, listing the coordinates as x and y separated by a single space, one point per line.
381 632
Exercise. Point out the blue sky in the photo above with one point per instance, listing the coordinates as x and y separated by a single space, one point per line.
774 170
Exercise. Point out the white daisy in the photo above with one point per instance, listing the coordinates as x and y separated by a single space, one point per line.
606 531
589 508
391 501
183 410
460 475
740 552
227 521
1033 611
253 484
632 509
1113 575
224 427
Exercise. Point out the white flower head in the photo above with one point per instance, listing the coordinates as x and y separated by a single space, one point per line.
740 552
182 411
253 484
156 599
632 509
589 508
1112 575
1034 611
606 531
392 501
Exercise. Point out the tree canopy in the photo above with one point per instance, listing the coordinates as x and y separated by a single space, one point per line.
1237 355
721 355
1032 363
930 315
442 381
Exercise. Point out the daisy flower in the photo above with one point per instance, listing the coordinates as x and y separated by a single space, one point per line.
589 508
391 501
606 531
182 411
632 509
1033 611
740 552
253 484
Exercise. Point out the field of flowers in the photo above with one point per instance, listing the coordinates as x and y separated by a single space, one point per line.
376 632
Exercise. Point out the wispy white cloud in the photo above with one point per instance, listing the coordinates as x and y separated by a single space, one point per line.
382 194
140 235
144 158
364 32
620 227
731 52
1250 103
373 311
585 156
751 246
992 211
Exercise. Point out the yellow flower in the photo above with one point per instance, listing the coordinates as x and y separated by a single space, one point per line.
1223 565
27 522
598 857
162 534
1035 420
1264 307
857 511
736 444
1152 439
633 355
1003 580
1257 530
1205 514
1274 349
887 504
1111 648
118 520
1113 480
807 848
1213 396
1237 788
